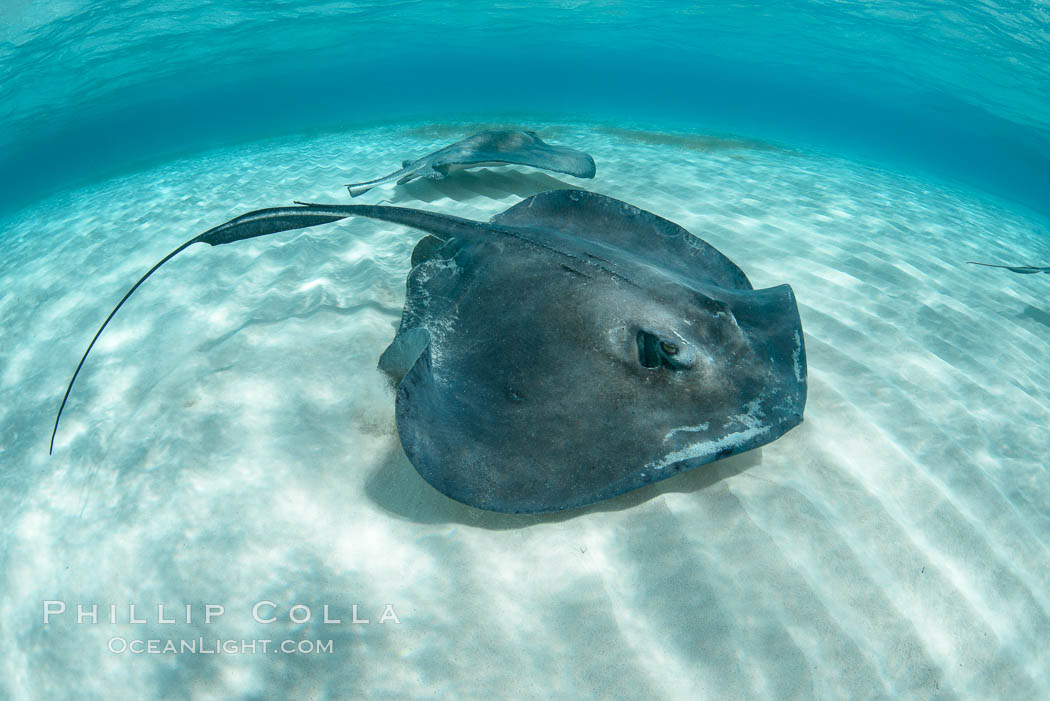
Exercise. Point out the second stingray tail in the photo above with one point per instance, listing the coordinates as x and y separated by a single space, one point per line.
356 189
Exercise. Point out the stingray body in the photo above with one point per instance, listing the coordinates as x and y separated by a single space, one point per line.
571 349
488 148
1021 269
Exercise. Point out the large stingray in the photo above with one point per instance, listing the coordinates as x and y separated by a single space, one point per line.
488 148
571 349
1022 269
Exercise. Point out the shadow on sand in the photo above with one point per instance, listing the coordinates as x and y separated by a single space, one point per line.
397 488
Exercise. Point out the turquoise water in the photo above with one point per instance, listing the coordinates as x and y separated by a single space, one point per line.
955 89
231 442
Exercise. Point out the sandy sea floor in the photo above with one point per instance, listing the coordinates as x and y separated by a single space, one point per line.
230 441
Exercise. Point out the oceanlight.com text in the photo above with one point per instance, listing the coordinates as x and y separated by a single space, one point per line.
203 646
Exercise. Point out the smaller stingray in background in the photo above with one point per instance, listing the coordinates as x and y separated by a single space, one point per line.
1022 269
488 148
570 349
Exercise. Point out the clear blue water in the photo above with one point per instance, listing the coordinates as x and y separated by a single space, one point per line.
957 90
230 440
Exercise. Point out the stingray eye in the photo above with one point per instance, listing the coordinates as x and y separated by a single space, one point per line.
655 352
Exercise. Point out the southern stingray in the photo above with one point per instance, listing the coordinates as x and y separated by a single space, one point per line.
570 349
488 148
1022 269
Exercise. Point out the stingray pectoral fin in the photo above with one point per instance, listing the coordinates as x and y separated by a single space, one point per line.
258 223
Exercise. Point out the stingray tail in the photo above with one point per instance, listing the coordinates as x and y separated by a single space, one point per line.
402 175
98 333
246 226
274 220
444 226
